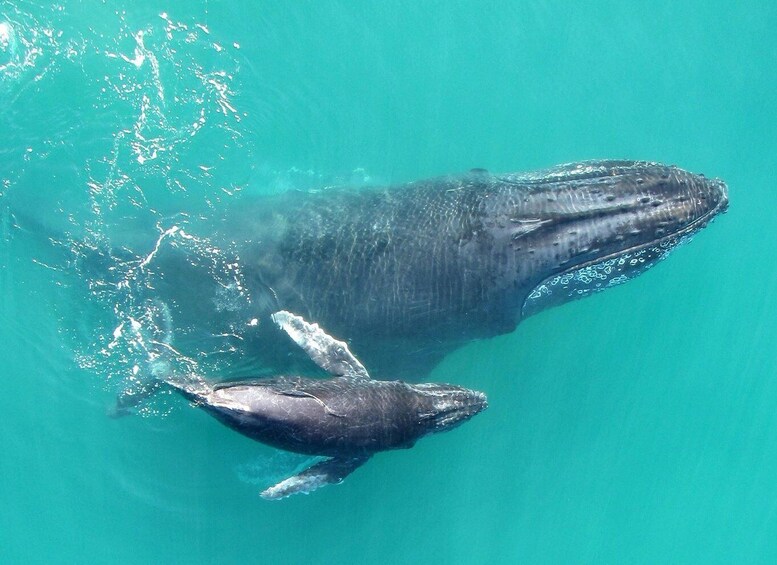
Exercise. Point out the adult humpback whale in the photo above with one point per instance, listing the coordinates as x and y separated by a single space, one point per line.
346 418
408 273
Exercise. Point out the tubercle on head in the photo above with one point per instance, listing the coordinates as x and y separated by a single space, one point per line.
447 406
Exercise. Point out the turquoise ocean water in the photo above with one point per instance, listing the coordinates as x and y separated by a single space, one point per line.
639 425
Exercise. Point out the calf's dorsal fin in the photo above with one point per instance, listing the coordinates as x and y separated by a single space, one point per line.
328 353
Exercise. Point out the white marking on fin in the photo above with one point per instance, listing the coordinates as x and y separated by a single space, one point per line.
330 471
328 353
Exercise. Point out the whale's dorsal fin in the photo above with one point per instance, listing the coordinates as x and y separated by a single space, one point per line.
328 353
330 471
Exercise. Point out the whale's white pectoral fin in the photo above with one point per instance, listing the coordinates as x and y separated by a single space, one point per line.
327 472
328 353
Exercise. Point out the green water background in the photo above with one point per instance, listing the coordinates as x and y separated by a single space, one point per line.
639 425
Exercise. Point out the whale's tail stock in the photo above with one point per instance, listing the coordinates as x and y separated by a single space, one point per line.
162 366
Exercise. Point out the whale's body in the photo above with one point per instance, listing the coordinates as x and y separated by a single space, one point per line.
425 267
347 418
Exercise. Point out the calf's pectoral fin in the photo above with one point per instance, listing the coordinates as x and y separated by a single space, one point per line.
330 471
328 353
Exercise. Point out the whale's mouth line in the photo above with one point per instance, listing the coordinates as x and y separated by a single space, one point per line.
693 227
595 272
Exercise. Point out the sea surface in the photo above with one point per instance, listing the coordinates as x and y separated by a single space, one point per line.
636 426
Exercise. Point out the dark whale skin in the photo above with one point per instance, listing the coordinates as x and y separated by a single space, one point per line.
338 417
408 273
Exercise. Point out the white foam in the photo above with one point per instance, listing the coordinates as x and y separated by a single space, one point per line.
6 35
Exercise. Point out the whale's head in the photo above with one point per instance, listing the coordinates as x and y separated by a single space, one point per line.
442 407
578 229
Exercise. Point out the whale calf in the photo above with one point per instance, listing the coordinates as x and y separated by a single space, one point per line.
346 418
406 274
